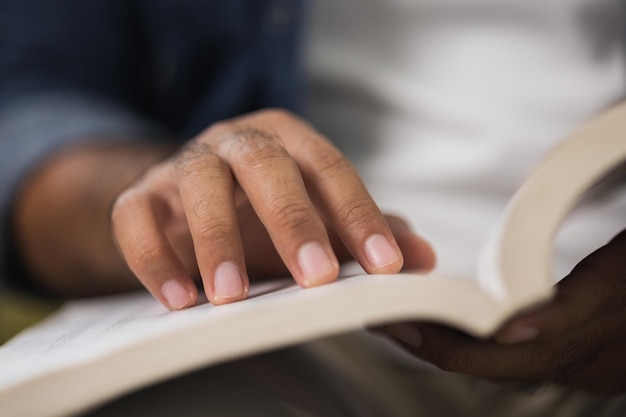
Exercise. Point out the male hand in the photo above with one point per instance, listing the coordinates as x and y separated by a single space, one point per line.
262 194
578 340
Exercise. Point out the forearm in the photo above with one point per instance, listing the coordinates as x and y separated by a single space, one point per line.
62 217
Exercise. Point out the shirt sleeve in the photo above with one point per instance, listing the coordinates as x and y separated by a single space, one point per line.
68 73
36 126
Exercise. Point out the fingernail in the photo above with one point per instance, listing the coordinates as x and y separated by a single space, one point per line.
406 333
379 252
175 294
315 263
519 334
228 281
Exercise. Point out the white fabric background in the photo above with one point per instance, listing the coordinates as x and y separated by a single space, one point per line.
446 105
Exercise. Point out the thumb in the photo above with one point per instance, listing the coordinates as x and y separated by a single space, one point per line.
590 291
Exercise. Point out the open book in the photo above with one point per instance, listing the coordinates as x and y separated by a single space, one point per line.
98 349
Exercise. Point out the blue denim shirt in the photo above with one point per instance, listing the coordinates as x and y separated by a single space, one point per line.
74 69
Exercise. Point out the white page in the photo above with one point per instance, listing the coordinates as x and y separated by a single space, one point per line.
84 330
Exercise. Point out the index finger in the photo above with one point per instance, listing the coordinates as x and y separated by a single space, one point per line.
454 351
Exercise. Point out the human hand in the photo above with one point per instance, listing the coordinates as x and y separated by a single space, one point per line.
578 340
262 194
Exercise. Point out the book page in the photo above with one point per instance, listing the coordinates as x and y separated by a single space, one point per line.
83 330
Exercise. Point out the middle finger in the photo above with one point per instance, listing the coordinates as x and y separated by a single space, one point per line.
273 183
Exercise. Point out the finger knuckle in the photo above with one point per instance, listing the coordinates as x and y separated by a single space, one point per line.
147 257
196 156
535 362
216 231
330 162
576 355
563 360
357 213
292 216
255 148
450 361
